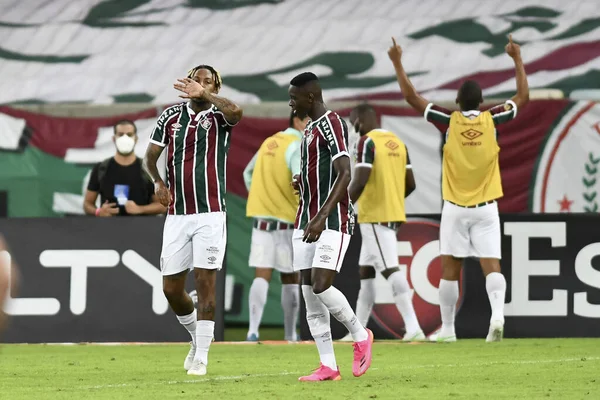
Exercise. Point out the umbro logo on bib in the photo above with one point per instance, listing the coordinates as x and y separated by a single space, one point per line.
471 134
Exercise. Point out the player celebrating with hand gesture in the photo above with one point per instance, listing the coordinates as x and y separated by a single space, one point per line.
471 185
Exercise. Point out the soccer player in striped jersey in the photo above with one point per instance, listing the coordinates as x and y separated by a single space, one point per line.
383 177
196 136
323 227
273 205
471 184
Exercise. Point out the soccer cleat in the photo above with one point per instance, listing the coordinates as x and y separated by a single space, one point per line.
187 364
363 354
496 331
323 373
347 338
253 337
418 336
198 368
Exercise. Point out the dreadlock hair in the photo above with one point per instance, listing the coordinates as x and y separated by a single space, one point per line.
215 74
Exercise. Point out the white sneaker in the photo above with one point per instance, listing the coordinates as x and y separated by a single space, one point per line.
347 338
446 336
418 336
198 368
187 364
496 331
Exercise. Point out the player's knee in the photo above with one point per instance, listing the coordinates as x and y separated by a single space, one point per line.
367 273
290 279
320 286
172 292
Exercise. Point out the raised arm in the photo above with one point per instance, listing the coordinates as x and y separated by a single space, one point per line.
409 178
408 90
522 96
193 90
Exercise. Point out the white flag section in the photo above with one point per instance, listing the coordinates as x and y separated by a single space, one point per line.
11 130
423 142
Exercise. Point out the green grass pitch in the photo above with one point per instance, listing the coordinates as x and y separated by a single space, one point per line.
469 369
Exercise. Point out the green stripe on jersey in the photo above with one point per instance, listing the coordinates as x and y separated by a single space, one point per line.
222 149
503 117
437 116
200 171
179 146
306 192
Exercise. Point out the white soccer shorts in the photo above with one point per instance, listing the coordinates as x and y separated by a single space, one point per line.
193 241
328 252
379 247
272 249
470 232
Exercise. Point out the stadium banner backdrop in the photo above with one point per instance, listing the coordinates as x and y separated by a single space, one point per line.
550 161
92 280
110 50
552 267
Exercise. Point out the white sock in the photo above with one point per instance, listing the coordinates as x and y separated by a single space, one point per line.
338 306
204 335
189 323
290 302
403 299
257 300
495 285
365 301
317 317
448 297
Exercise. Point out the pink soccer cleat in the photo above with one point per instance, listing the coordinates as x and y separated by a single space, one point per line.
323 373
363 353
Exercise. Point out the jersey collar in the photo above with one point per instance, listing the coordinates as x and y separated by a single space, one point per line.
192 112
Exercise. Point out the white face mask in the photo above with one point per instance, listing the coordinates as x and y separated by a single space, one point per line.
125 144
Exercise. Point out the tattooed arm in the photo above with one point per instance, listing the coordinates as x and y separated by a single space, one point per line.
194 90
231 111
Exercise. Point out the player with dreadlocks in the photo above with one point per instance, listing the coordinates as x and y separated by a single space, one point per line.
196 136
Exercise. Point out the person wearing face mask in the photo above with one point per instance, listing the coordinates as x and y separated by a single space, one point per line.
124 188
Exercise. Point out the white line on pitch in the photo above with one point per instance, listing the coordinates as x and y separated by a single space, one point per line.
285 373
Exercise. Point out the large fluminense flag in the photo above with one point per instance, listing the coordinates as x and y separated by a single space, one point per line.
101 51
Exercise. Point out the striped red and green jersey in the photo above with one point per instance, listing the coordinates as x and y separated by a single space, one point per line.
440 117
324 140
197 145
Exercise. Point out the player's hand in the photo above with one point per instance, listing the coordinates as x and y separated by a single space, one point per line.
108 209
296 183
512 49
313 230
395 52
162 192
132 208
190 88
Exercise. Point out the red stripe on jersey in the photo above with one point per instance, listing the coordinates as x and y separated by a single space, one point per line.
212 180
170 167
344 204
188 167
313 174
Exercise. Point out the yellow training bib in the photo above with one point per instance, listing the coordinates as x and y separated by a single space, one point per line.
471 172
382 199
270 192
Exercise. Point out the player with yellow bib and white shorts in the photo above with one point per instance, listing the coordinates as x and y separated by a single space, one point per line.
272 203
382 179
471 186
